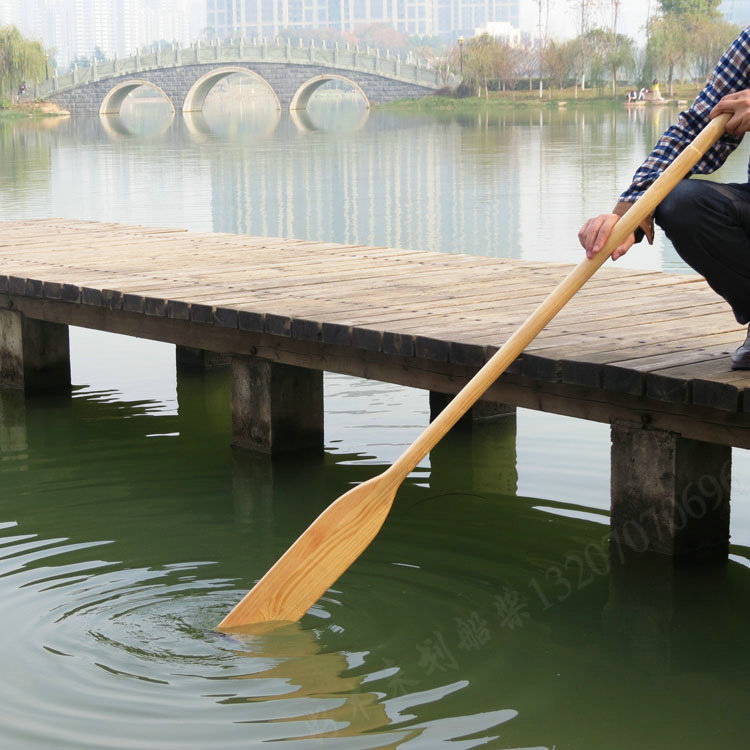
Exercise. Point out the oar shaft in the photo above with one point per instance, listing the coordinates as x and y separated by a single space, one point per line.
561 295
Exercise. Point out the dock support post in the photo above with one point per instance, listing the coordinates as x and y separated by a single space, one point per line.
670 494
276 408
482 410
13 437
199 359
34 354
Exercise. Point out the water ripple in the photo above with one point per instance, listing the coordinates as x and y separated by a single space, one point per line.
134 650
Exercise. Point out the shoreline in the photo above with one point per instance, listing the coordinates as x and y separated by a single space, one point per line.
503 101
33 110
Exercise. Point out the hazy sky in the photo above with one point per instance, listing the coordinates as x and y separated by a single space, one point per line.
632 17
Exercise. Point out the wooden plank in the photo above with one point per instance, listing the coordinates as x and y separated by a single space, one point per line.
586 367
674 384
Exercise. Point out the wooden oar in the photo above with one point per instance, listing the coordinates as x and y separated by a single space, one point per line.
342 532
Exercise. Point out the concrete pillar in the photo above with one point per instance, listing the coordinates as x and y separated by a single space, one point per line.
199 359
482 410
276 408
34 355
670 494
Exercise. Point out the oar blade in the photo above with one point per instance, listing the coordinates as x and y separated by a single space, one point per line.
336 538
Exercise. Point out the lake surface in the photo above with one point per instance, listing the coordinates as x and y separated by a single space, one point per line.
487 613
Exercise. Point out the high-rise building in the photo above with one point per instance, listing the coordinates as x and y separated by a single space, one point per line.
737 11
250 18
10 12
78 27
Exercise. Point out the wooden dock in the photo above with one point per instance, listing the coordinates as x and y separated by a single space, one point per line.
645 351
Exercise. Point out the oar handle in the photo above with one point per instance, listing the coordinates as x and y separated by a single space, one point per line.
547 310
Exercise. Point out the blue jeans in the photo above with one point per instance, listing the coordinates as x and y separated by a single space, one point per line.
709 225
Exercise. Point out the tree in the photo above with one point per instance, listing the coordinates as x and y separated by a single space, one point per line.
710 38
381 35
542 28
681 7
557 62
527 64
488 61
507 60
81 61
615 8
577 53
479 67
584 11
21 59
597 43
619 54
669 43
442 63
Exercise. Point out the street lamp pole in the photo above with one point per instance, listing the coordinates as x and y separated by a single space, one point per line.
461 53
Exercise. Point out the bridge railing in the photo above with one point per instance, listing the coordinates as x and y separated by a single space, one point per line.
348 57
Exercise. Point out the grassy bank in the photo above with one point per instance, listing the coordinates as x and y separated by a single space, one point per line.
521 99
32 109
11 114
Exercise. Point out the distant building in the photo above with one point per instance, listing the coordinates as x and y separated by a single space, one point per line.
9 13
447 18
504 32
737 11
76 28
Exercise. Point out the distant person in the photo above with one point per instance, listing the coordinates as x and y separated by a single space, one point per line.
21 88
642 95
656 90
632 96
707 222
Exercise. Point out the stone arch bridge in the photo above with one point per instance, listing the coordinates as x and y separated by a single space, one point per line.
185 75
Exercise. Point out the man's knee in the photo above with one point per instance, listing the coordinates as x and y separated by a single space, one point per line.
684 207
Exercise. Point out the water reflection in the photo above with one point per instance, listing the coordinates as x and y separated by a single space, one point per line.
204 127
13 437
349 118
128 126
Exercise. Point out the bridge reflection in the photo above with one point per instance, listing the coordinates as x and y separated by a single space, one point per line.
205 127
117 126
307 122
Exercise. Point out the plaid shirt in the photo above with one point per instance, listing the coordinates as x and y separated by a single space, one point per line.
732 74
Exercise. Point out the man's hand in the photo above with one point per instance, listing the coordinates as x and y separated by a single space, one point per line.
737 105
595 233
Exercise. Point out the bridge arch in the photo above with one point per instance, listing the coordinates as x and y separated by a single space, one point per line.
308 88
196 97
113 100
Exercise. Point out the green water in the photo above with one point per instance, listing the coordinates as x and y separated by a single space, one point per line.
487 613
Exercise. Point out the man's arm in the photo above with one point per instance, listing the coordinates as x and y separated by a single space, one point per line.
728 90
